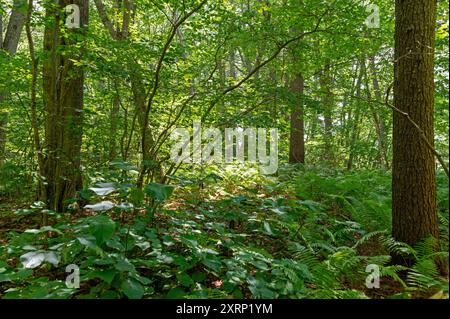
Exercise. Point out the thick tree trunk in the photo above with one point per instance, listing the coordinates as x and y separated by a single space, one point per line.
414 215
63 101
297 130
15 27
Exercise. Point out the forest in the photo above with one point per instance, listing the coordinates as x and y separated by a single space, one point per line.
224 149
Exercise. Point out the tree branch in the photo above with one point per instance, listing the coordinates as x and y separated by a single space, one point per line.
105 19
415 125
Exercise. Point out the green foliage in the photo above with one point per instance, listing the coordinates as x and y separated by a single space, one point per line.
158 192
244 245
365 195
12 179
214 230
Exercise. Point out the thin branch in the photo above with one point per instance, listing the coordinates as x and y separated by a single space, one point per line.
259 66
415 125
156 80
105 19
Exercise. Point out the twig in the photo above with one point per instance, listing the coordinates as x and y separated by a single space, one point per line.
413 123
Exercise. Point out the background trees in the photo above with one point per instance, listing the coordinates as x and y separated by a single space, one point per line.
8 45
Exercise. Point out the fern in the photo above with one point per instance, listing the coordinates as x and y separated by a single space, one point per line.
369 236
396 247
392 272
322 276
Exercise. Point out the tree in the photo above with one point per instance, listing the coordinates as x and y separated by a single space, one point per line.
9 45
297 131
63 81
326 81
414 215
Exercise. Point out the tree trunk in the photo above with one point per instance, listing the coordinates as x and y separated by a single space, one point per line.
355 122
297 138
414 215
63 102
114 118
327 102
149 162
9 44
381 126
377 121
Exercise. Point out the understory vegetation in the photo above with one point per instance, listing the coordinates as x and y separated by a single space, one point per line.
305 233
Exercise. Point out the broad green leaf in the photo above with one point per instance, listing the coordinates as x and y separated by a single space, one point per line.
159 192
102 228
132 288
212 263
176 293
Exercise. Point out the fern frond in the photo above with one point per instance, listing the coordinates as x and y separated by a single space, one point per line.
368 237
397 247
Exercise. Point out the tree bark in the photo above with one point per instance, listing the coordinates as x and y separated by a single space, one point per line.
114 118
355 121
63 103
15 27
327 102
414 215
33 106
297 130
380 122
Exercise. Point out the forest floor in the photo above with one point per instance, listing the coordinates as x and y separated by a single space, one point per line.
301 234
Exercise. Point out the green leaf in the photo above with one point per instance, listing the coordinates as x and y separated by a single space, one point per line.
132 288
124 265
136 196
176 293
103 189
185 280
267 228
102 228
198 276
43 230
106 275
101 207
212 263
159 192
32 259
88 241
123 165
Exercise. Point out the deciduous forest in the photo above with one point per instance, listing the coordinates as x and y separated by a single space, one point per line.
230 149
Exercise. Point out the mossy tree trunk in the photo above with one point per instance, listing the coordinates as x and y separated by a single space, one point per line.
63 80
